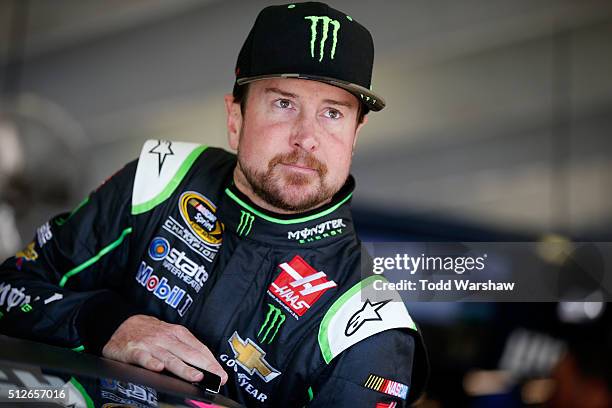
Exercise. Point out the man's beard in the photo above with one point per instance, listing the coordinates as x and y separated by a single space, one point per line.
269 185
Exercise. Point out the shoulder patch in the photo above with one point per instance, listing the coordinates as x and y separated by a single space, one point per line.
161 167
354 317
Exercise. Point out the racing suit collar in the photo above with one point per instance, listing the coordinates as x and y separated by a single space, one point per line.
318 227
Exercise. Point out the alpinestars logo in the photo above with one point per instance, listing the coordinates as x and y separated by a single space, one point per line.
299 286
325 23
368 313
162 149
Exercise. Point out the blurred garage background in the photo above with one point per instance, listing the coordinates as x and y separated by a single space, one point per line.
498 127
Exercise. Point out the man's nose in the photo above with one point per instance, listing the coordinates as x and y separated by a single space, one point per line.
305 134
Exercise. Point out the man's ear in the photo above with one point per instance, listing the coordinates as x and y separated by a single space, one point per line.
359 126
234 121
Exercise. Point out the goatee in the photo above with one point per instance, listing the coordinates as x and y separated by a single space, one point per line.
269 185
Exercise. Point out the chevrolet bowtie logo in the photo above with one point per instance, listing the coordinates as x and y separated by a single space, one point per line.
251 358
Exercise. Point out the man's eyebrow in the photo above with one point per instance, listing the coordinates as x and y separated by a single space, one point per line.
340 103
291 95
281 92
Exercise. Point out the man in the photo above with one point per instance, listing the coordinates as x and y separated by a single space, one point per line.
248 265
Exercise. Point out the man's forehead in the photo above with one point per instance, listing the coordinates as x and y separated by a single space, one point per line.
304 89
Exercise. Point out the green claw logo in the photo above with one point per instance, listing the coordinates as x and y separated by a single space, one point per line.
246 223
274 320
326 21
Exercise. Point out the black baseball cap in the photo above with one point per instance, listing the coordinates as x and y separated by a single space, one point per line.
310 41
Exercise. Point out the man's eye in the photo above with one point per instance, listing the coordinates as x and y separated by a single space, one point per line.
333 114
283 103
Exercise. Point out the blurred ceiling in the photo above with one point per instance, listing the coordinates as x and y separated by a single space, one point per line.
56 24
430 29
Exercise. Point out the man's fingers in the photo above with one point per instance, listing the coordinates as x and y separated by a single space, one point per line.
191 350
176 366
145 359
204 359
155 345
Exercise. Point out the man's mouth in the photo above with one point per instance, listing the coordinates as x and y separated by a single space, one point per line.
298 164
299 167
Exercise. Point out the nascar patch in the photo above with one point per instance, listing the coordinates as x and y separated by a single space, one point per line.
386 386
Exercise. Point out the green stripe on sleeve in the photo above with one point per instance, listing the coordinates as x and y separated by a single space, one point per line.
61 221
96 258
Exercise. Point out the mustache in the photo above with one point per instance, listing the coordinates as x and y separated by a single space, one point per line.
299 158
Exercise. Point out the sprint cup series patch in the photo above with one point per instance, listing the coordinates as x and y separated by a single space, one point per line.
386 386
199 214
299 285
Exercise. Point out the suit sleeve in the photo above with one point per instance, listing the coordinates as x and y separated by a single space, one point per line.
62 288
378 372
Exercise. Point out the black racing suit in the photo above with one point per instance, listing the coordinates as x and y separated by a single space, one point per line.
276 298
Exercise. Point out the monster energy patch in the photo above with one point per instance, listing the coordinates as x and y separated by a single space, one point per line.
246 223
269 329
323 230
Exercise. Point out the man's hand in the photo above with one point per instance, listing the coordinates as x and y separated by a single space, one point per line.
155 345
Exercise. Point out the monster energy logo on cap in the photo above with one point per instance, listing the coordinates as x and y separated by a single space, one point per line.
303 40
326 21
274 320
246 223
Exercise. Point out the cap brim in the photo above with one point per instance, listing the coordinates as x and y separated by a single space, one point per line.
373 101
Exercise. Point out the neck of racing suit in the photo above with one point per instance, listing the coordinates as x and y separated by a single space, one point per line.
315 228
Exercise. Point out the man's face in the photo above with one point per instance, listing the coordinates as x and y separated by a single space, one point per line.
295 141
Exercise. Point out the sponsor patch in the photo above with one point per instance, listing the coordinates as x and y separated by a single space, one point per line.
175 228
174 296
367 313
320 231
159 248
299 286
178 263
246 223
199 214
44 234
271 325
134 395
385 386
250 357
27 254
11 297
